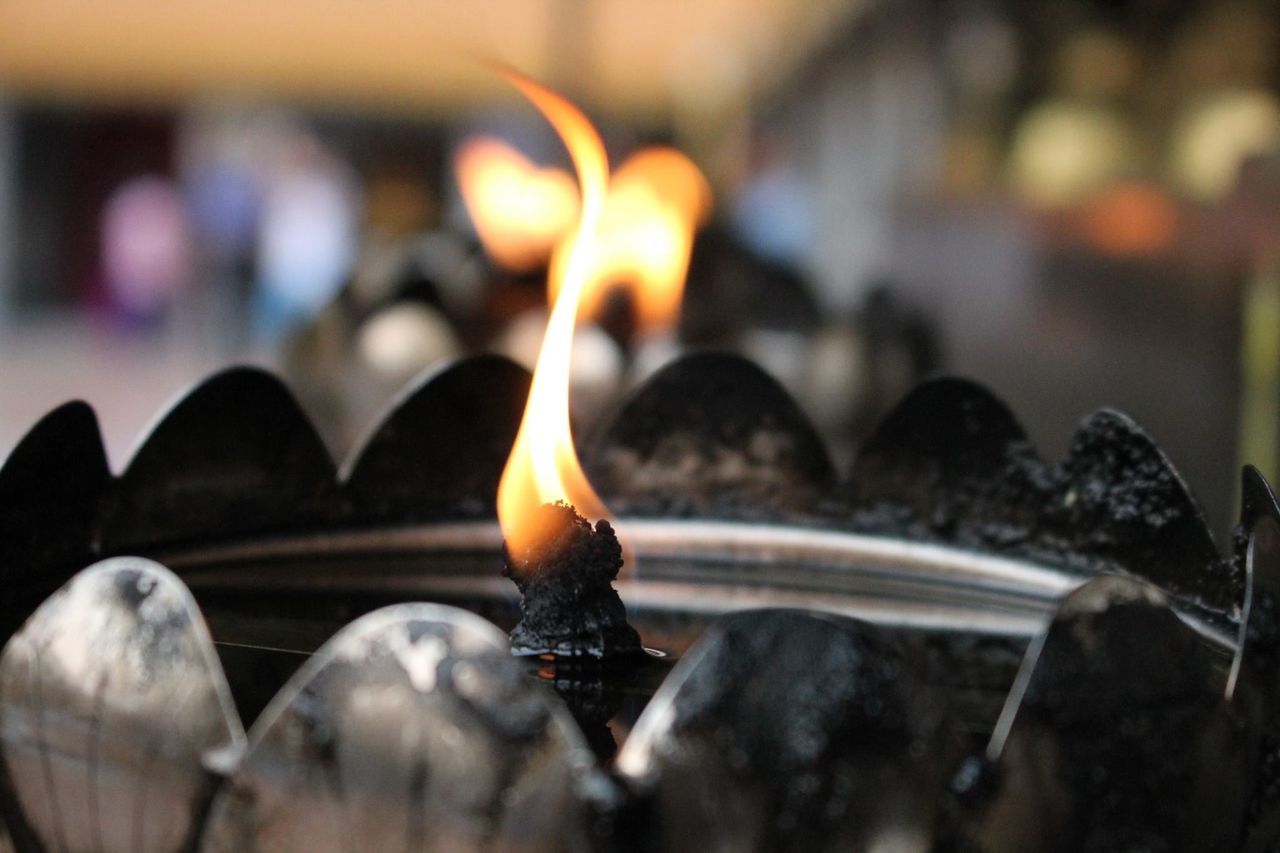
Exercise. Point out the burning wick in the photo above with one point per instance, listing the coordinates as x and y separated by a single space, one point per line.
562 566
568 605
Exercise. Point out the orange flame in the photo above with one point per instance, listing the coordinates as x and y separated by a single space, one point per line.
656 202
520 211
543 466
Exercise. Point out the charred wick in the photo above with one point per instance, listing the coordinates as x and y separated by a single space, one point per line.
568 605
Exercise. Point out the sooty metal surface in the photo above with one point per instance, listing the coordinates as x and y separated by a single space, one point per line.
413 728
886 706
785 730
111 699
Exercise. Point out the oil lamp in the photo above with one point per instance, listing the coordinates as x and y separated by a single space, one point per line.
954 644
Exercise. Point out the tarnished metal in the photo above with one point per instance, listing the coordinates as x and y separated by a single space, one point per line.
112 705
783 731
414 729
951 536
1115 736
952 464
711 438
710 435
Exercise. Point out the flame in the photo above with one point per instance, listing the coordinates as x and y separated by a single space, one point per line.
520 211
656 202
543 466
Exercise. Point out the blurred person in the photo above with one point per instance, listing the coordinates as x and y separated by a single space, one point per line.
146 249
307 240
223 197
772 211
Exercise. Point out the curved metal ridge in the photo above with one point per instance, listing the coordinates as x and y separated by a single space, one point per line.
949 477
686 541
875 578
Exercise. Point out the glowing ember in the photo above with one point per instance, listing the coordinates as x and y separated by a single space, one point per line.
520 211
543 467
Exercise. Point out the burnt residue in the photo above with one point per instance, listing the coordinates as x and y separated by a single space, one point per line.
710 435
1121 500
952 464
568 605
951 461
1116 737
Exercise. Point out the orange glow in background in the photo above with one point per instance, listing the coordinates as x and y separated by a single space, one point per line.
653 207
519 211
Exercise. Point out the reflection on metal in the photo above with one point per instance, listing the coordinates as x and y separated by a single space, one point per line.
690 567
413 728
236 461
1116 732
783 730
111 701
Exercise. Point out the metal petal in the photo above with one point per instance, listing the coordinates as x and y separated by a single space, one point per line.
1115 736
440 452
785 730
413 728
111 697
1124 502
51 490
710 435
1256 498
236 456
1252 686
952 462
1257 658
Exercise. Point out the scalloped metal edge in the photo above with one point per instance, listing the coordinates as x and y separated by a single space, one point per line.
831 508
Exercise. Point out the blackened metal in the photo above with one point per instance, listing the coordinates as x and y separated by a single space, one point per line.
234 457
710 435
51 491
1124 501
413 728
951 462
1114 737
568 605
440 451
784 730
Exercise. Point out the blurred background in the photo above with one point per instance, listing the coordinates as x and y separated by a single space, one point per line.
1076 202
